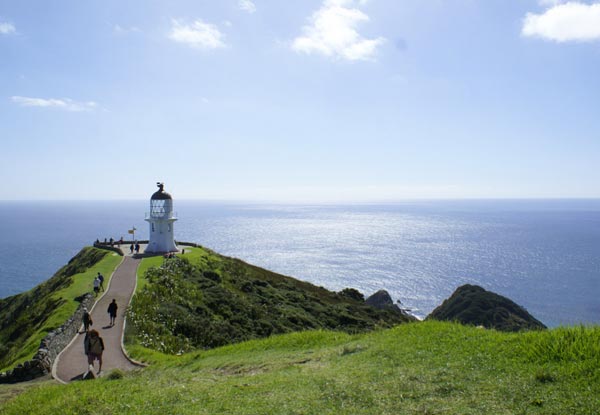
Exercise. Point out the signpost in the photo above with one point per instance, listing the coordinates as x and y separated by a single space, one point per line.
132 232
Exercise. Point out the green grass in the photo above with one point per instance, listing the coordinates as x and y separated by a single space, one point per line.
9 391
416 368
60 305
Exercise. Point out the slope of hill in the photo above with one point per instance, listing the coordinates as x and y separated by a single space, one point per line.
206 300
26 318
418 368
471 304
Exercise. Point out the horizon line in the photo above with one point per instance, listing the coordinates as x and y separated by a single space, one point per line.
325 202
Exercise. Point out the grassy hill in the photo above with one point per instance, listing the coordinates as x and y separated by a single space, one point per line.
26 318
417 368
205 300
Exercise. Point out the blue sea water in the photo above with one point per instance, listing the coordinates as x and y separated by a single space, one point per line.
543 254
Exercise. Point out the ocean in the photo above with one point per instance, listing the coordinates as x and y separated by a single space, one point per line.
543 254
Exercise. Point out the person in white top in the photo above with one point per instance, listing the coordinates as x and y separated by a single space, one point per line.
96 285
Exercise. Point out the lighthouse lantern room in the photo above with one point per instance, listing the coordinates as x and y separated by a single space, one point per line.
161 219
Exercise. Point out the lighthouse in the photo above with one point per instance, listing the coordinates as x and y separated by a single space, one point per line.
161 219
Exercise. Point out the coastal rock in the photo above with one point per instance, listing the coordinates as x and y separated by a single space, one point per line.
473 305
381 300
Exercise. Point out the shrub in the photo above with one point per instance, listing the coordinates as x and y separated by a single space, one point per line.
211 275
115 374
353 294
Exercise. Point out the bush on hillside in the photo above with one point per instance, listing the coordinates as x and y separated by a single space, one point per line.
353 294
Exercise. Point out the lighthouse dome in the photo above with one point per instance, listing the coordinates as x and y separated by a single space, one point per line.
160 194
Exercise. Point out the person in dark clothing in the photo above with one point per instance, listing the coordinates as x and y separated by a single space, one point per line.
101 278
112 311
93 346
87 319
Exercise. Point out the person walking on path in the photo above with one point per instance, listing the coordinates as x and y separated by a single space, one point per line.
137 248
131 249
112 311
87 319
96 286
69 365
101 278
93 346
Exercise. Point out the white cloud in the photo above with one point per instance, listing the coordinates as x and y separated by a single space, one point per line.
199 35
66 104
247 6
332 32
572 21
7 28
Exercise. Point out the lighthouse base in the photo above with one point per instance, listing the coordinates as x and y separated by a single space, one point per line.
155 248
161 236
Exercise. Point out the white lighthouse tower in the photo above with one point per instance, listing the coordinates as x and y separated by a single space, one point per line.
161 219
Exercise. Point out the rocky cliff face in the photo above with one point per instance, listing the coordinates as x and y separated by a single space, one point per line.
471 304
381 299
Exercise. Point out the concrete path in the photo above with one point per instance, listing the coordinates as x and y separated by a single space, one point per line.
71 363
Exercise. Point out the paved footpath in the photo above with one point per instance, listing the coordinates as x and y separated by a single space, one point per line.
71 364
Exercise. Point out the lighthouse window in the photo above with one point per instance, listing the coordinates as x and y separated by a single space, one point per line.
152 227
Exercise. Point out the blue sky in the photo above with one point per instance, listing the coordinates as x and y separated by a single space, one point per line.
315 100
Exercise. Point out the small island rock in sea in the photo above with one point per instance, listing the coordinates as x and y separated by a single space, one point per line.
473 305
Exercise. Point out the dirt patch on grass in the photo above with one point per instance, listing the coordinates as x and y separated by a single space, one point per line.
9 391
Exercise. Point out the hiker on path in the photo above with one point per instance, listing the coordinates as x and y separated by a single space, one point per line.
137 248
93 346
101 278
112 311
96 286
131 249
87 319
